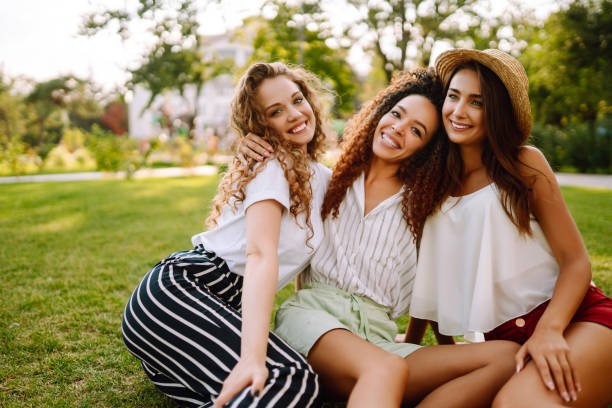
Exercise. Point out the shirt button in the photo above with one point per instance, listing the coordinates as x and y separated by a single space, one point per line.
519 322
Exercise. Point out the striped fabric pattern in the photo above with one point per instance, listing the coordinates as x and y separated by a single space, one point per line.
372 255
183 323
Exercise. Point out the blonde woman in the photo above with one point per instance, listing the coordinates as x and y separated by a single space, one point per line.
198 321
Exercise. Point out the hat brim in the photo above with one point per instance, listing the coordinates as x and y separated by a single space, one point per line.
509 70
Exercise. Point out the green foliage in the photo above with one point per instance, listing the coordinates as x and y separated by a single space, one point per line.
584 147
569 64
114 153
58 104
11 154
402 33
176 59
61 159
13 124
299 34
13 112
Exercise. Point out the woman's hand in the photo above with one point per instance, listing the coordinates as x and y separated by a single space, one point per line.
254 147
551 354
245 373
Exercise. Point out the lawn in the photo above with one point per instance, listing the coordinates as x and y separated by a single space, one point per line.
71 255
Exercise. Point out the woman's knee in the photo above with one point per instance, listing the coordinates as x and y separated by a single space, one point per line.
502 355
505 399
392 369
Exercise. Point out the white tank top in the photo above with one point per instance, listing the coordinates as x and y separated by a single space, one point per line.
475 271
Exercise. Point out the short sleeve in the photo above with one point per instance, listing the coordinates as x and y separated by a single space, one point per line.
269 184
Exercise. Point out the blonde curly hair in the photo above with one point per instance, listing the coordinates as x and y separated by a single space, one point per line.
247 116
422 174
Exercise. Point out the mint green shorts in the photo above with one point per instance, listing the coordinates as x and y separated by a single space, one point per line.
313 311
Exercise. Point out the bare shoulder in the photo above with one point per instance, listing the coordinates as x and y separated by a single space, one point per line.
534 163
533 157
534 167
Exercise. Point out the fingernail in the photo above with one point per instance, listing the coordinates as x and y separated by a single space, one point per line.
579 387
255 393
518 368
267 154
550 385
565 396
574 396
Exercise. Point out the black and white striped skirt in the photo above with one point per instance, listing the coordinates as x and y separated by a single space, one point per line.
183 323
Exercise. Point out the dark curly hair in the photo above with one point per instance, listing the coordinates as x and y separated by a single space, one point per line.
422 174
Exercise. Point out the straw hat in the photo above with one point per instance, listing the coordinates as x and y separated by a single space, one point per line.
505 66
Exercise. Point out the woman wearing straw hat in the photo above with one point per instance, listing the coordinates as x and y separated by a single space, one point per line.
503 255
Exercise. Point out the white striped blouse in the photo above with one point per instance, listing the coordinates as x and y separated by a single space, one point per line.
372 255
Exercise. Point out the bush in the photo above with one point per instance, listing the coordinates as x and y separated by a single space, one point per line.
11 152
585 147
70 154
112 152
60 158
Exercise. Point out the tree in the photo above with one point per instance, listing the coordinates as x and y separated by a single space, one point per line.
403 33
13 115
176 60
569 62
299 33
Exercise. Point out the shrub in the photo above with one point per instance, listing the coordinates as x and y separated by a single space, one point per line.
585 147
112 152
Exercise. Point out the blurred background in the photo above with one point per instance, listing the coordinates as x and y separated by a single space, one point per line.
130 84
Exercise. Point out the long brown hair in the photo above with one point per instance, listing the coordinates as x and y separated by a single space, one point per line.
501 150
422 174
247 116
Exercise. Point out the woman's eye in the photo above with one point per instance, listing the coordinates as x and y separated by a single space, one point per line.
298 100
395 113
452 97
275 112
477 103
417 132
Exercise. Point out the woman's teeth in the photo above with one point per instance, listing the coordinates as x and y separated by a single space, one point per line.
298 128
388 141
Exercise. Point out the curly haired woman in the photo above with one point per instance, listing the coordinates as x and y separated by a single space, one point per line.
198 321
384 185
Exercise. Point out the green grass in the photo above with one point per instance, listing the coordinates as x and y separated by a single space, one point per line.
71 254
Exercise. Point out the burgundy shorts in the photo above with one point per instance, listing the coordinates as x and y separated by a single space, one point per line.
596 307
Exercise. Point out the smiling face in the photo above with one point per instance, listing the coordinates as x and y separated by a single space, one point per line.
463 112
405 129
286 110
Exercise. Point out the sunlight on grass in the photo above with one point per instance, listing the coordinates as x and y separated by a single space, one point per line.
67 222
72 254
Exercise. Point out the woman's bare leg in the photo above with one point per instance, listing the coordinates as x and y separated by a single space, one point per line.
441 338
350 367
590 345
462 375
415 331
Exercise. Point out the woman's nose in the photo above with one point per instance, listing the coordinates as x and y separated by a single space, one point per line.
293 114
398 129
459 109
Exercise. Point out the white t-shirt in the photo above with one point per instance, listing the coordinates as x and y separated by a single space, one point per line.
475 270
372 255
228 238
